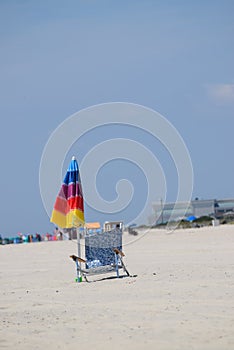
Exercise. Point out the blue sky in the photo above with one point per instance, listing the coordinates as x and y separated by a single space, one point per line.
58 57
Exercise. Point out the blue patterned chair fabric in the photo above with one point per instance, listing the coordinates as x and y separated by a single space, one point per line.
99 248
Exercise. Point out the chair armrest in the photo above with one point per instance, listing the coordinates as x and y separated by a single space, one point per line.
118 252
76 258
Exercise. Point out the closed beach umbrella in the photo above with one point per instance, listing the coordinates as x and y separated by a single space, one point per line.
68 209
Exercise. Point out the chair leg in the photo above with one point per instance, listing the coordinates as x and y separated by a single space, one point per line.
117 264
78 272
124 267
86 279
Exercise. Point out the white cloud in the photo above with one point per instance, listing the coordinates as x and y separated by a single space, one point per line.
221 92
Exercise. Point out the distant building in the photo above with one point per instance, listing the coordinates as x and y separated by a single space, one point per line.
224 207
166 212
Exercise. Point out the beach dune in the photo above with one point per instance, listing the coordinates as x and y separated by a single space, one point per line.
182 297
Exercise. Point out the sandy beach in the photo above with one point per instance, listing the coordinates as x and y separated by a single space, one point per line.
182 297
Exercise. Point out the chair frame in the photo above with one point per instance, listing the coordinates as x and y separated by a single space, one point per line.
95 249
119 264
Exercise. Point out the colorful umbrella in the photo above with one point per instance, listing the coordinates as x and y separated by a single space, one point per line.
68 209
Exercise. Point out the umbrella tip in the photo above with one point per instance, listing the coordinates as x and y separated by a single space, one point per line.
73 158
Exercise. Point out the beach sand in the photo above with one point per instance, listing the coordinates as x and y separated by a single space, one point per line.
182 297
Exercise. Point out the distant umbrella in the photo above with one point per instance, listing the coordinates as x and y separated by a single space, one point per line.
191 218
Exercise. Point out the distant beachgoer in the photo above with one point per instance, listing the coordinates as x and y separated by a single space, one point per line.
48 236
38 237
30 238
60 236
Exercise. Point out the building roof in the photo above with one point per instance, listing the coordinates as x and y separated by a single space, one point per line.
92 225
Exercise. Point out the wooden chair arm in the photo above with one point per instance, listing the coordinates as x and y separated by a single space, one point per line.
75 258
117 251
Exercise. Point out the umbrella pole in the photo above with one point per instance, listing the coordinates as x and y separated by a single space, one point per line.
79 276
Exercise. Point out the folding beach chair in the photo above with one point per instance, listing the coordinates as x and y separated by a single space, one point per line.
103 252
